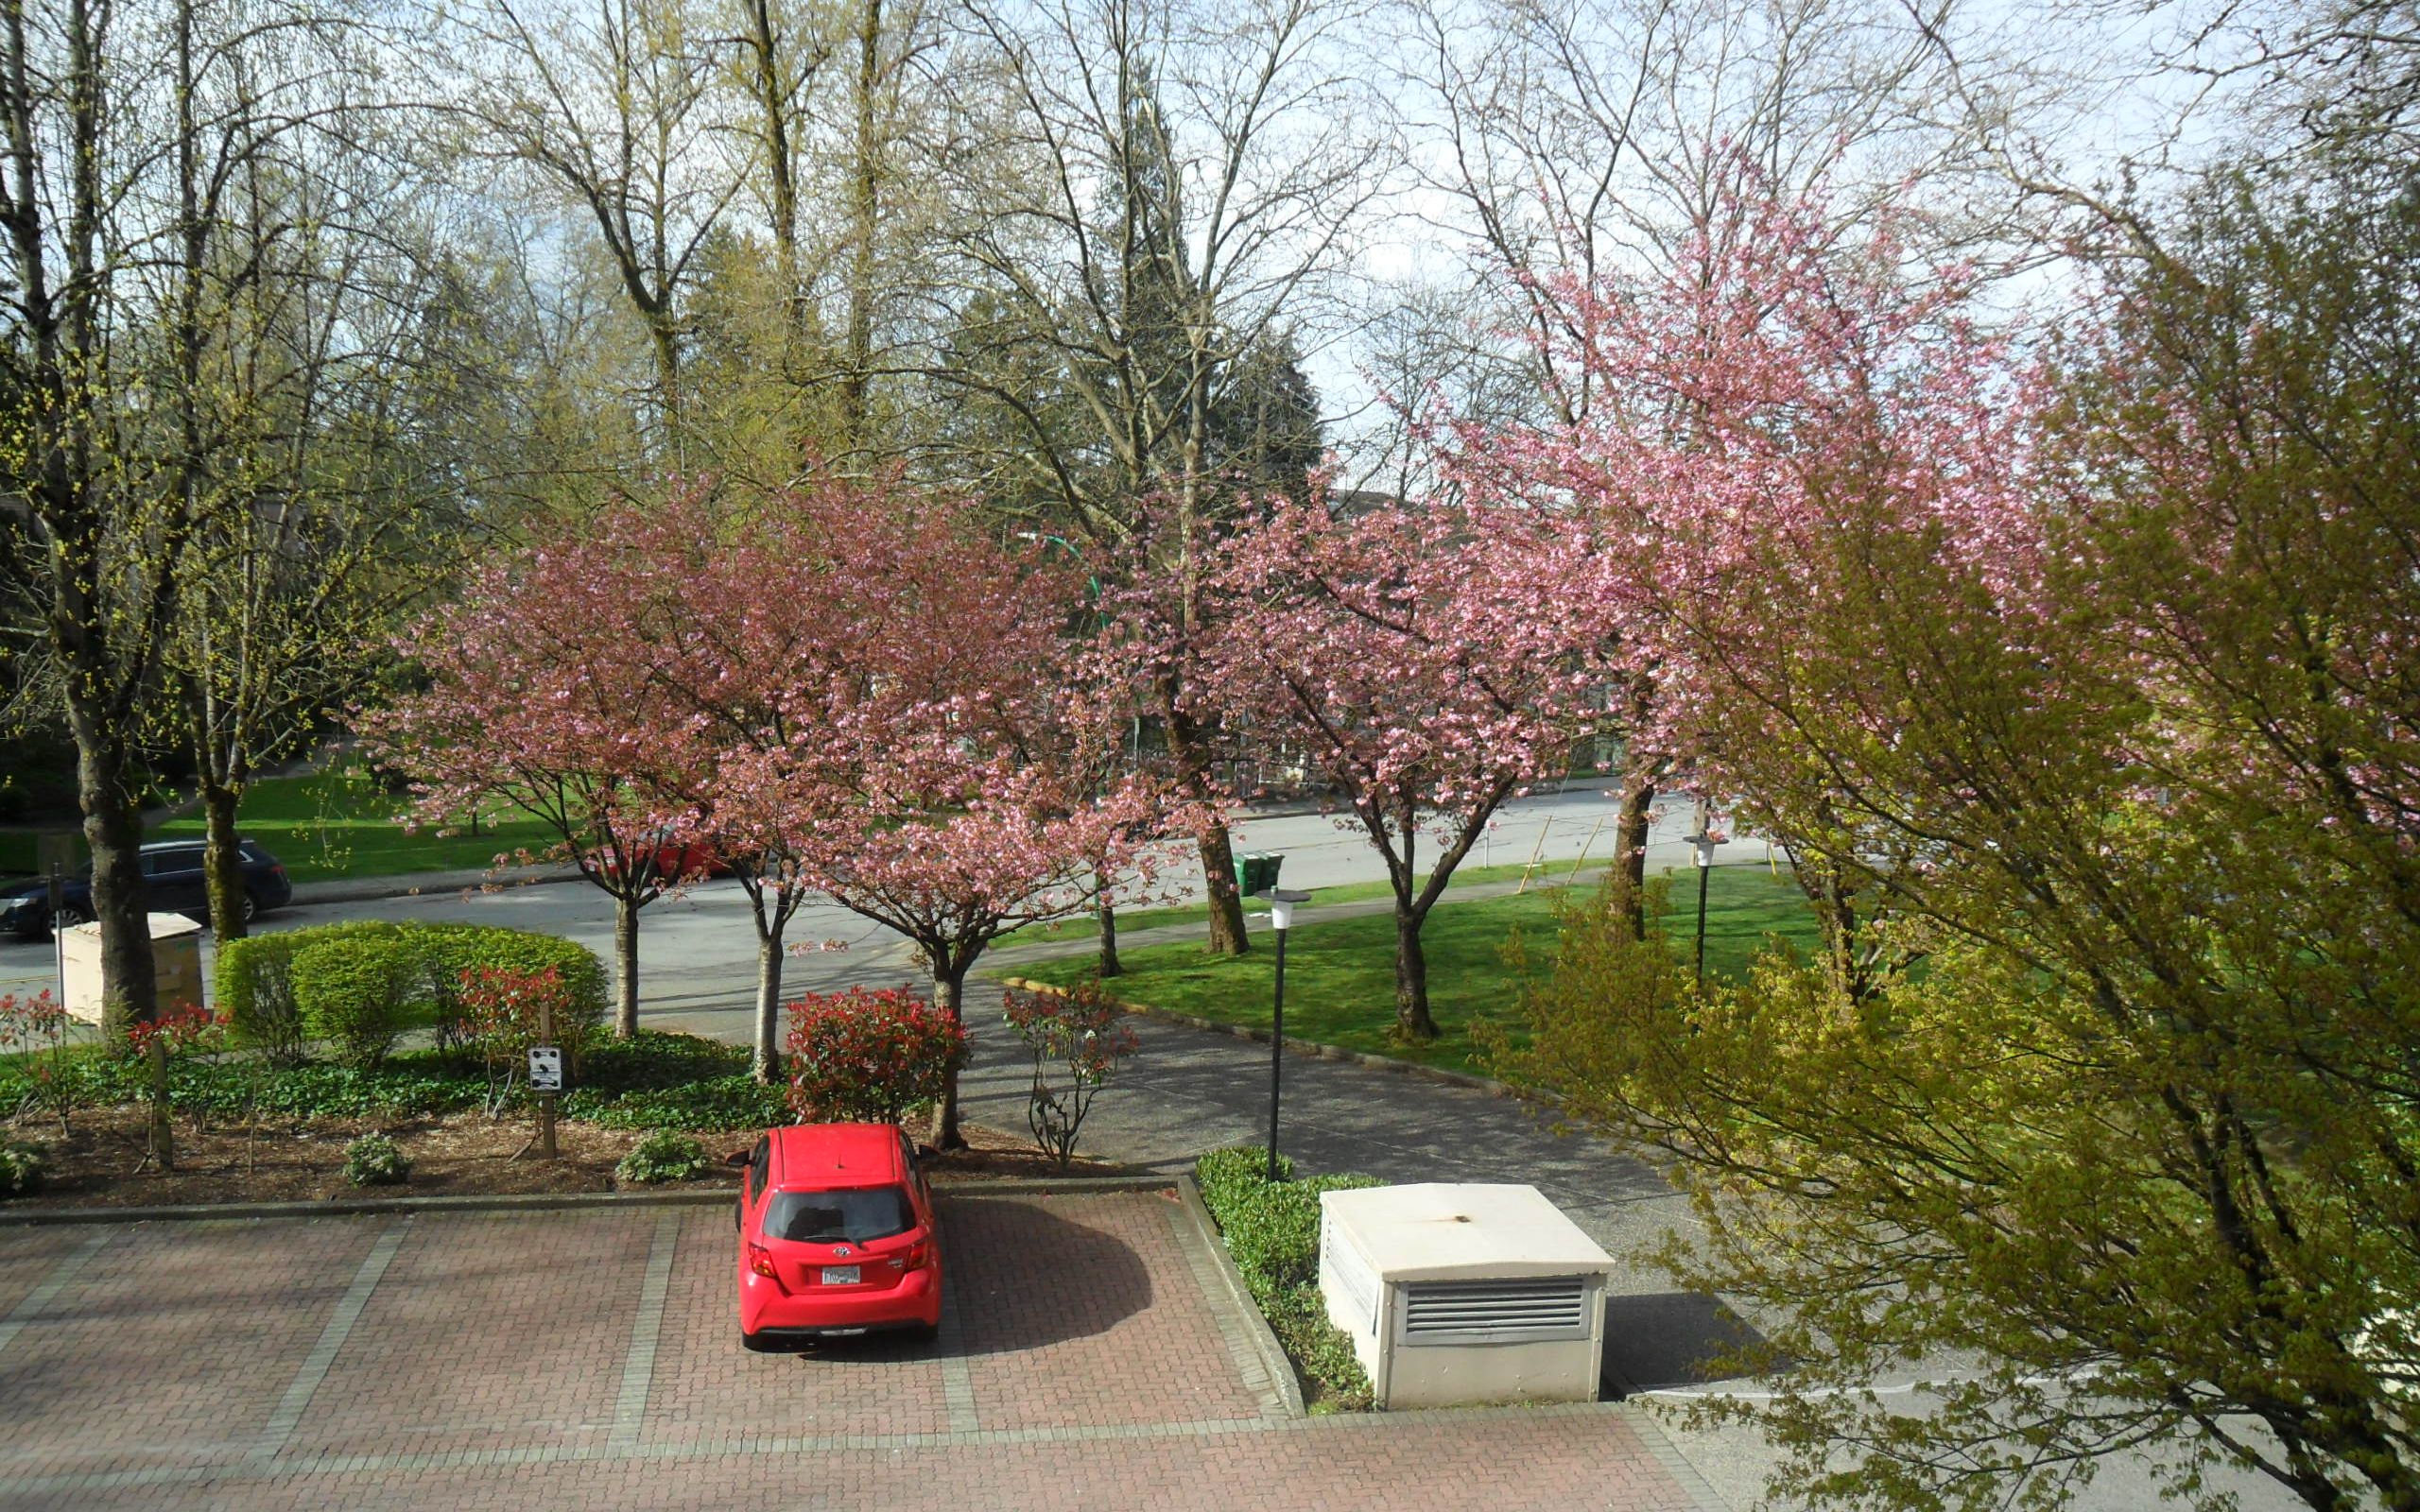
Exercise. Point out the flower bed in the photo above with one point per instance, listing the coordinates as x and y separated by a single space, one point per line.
1272 1230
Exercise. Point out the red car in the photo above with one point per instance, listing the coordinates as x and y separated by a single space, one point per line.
673 860
836 1236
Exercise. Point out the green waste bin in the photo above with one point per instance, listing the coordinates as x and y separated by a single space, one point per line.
1256 872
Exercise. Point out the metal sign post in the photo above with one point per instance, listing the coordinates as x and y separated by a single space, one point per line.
547 1078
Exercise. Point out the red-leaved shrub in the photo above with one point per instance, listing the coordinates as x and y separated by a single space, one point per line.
870 1054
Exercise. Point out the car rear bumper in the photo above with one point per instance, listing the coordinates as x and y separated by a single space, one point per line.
767 1311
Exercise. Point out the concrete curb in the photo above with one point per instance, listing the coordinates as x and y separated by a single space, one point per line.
532 1201
1264 1340
428 884
354 1207
1307 1047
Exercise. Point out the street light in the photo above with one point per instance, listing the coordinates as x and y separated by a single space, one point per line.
1281 915
1701 843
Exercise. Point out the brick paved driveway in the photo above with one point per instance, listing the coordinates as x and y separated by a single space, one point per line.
1090 1358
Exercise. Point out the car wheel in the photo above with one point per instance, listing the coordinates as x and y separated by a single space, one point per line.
251 907
924 1333
72 914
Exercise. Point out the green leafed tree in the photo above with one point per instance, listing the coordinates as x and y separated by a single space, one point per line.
2129 1160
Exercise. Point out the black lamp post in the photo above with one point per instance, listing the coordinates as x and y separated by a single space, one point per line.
1281 915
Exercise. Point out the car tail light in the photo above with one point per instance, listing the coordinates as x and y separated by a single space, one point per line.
916 1256
760 1259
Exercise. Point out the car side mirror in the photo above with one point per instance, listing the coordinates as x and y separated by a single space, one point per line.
736 1159
925 1152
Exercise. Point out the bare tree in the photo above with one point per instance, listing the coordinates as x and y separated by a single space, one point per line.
615 105
1173 188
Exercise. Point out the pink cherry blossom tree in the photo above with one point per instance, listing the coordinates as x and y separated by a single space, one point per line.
1429 660
541 696
1778 380
865 696
965 779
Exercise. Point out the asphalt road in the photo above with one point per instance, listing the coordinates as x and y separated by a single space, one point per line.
698 951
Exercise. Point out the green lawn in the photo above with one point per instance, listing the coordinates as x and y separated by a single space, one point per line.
1086 926
333 824
1339 976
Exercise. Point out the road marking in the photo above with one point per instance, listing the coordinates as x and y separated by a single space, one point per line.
314 1368
52 1284
646 1329
293 1466
958 1382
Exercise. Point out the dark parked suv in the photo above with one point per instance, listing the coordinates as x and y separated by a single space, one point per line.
173 884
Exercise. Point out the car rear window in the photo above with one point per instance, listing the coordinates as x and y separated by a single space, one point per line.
852 1215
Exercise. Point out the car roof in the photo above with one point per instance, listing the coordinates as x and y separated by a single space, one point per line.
814 1156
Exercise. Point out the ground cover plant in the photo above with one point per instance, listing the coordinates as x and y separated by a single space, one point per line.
1272 1231
1341 980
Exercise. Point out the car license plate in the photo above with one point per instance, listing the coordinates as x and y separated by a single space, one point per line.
839 1275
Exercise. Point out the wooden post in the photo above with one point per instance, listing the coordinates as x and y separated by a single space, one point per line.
546 1100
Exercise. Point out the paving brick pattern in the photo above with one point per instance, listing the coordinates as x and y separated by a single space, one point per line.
1058 1301
708 1391
171 1347
487 1332
590 1359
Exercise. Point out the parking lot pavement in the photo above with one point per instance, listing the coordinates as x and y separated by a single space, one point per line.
589 1357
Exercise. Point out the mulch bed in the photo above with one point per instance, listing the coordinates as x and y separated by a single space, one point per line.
101 1162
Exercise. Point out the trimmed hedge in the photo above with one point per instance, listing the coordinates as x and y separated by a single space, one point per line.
1272 1232
1226 1178
358 994
1275 1231
651 1081
367 972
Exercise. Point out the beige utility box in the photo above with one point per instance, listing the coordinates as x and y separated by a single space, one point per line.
1464 1293
176 956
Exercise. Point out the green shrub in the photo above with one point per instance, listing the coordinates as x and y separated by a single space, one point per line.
663 1156
375 1161
20 1168
255 976
652 1060
448 951
358 993
1275 1231
1272 1232
254 979
720 1103
1226 1178
1298 1316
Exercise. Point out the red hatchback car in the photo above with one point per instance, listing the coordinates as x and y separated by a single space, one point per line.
836 1236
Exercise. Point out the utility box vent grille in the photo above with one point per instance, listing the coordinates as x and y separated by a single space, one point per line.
1552 1307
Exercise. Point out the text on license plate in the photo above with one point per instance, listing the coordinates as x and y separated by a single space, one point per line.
839 1275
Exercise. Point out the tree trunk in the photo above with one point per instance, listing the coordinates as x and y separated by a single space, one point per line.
113 831
1110 965
223 858
1630 845
765 1063
947 990
626 966
1227 936
865 204
1411 977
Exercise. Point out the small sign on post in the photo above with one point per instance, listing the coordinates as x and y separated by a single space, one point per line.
546 1080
